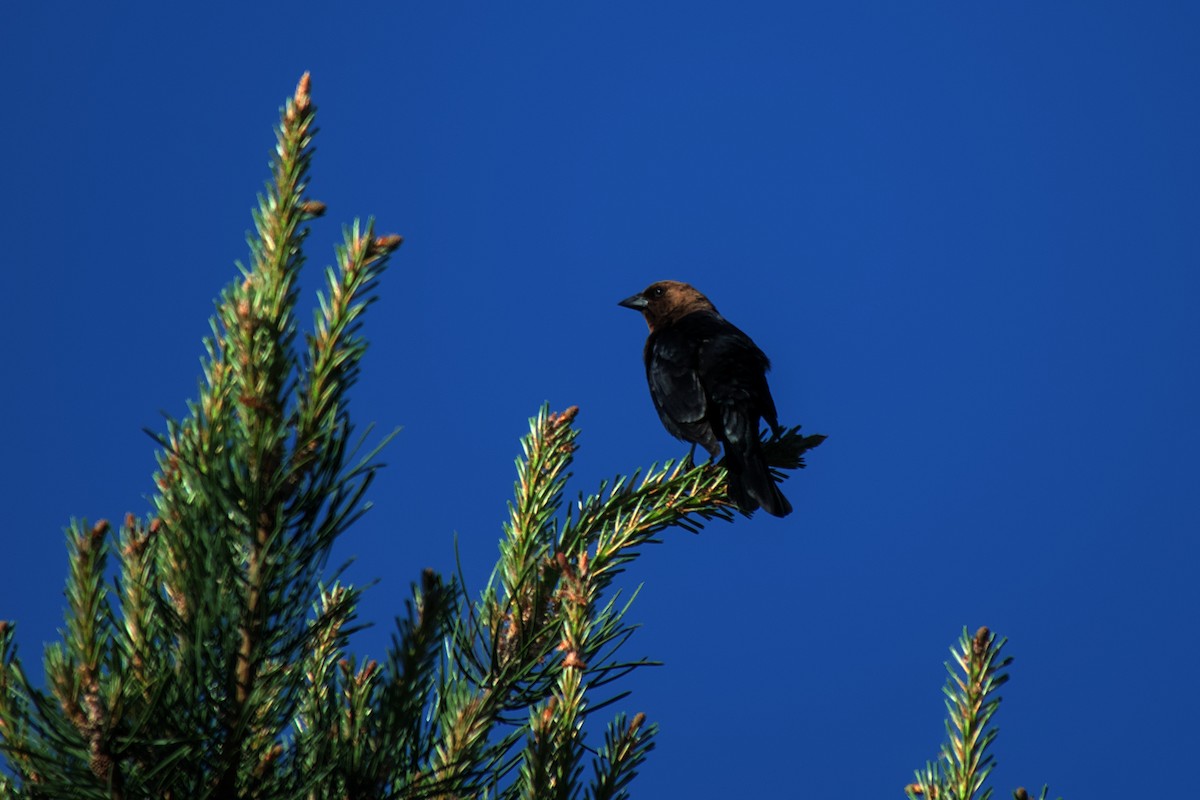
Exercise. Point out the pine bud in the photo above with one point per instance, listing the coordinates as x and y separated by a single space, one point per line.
311 209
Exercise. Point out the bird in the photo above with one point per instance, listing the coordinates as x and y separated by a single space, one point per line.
708 381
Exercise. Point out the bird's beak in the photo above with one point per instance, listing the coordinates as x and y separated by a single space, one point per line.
637 302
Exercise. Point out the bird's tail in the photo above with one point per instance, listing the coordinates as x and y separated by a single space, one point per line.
750 483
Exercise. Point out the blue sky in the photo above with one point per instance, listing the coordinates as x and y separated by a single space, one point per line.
966 234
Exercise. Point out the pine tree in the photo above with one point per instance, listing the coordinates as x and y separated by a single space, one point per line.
210 659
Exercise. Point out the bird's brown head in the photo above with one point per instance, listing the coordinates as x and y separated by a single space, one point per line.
665 302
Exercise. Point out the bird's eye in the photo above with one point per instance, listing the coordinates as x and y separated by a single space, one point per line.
657 291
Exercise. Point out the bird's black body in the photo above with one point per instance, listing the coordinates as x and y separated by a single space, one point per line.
709 385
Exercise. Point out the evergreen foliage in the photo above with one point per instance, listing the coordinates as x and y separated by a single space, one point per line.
964 764
209 661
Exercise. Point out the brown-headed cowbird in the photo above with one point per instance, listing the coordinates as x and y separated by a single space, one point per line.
709 385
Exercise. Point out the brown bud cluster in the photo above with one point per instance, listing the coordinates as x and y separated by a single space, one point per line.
979 646
311 209
386 244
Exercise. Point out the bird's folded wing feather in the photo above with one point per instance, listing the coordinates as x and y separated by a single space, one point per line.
674 382
733 372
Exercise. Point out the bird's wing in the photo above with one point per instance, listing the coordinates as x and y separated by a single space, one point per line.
732 370
674 382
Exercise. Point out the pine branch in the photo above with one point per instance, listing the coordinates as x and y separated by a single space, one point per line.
315 751
543 637
965 763
76 675
625 748
18 739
